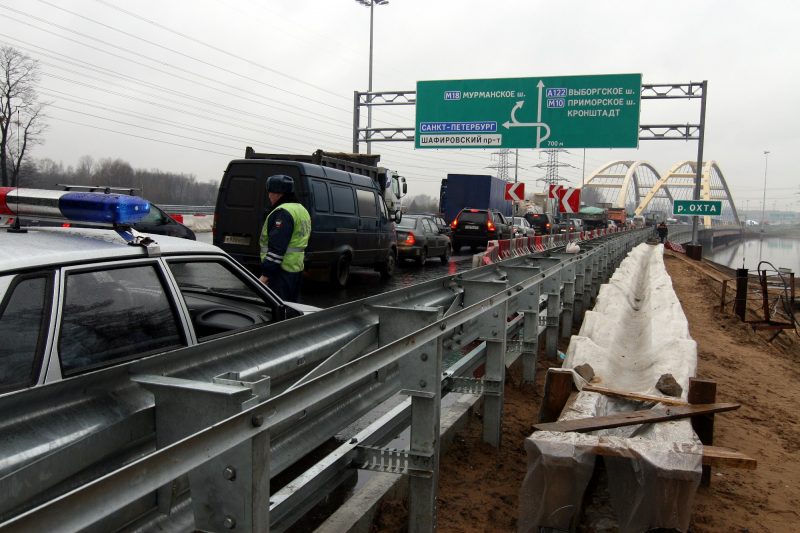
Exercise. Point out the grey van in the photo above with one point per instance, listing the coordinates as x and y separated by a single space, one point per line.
349 221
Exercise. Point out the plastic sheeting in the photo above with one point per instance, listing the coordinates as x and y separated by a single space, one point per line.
636 332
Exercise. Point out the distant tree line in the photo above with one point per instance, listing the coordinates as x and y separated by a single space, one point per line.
155 185
421 203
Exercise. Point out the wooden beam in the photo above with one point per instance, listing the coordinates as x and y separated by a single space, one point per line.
633 395
712 455
719 456
558 385
632 418
703 391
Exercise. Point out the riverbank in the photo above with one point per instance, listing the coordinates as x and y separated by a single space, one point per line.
479 485
762 377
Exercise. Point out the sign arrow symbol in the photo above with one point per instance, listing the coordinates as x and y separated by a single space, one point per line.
539 137
539 125
513 122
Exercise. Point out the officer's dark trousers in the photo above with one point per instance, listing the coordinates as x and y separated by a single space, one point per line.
286 285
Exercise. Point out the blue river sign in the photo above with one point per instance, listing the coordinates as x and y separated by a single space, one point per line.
598 111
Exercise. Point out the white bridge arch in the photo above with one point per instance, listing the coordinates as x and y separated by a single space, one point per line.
639 188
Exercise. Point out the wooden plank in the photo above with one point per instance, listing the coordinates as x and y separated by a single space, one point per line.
558 385
703 391
632 418
712 455
718 456
633 395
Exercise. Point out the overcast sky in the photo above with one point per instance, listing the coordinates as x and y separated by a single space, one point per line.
184 86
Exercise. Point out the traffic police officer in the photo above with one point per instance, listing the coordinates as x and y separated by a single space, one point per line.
284 238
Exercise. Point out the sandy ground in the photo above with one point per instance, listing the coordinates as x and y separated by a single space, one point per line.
479 485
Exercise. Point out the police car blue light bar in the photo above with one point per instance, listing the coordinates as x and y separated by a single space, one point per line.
92 207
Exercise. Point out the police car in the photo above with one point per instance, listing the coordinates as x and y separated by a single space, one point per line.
73 300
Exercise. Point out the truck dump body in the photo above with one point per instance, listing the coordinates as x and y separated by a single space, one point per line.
473 190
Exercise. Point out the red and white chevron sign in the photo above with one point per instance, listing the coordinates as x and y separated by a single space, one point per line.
515 192
569 200
553 191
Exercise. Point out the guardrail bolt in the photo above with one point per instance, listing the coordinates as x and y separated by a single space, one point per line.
257 420
494 333
423 383
229 522
229 473
443 326
495 314
424 357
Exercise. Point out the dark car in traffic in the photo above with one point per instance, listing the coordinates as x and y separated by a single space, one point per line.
419 238
542 223
443 226
476 227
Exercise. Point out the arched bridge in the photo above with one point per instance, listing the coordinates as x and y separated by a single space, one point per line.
639 188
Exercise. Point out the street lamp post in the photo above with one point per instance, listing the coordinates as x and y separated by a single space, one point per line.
371 4
764 197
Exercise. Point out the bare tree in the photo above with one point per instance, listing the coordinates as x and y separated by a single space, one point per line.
21 117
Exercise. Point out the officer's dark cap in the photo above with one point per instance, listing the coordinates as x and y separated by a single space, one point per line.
280 183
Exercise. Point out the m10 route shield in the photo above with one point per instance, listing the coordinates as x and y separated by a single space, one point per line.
600 111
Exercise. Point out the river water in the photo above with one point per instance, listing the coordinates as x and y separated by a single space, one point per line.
780 251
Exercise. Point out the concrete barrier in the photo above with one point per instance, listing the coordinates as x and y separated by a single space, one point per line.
197 222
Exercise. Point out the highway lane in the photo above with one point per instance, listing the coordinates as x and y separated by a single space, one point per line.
366 282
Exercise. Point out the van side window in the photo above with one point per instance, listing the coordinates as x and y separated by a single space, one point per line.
321 201
366 203
343 202
22 317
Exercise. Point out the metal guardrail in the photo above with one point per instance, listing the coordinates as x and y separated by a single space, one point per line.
188 209
127 445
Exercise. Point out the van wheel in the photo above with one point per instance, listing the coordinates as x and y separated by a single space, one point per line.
387 268
446 256
423 256
340 271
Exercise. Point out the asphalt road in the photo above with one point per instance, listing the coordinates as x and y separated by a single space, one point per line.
366 282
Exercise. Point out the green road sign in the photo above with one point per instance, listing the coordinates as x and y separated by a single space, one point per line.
699 208
556 112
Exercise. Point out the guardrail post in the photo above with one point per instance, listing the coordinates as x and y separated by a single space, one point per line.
230 490
580 288
420 378
492 327
568 279
552 287
604 260
529 307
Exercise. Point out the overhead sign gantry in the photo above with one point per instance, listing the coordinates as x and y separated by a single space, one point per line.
598 111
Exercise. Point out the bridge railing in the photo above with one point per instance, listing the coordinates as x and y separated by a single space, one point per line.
199 432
